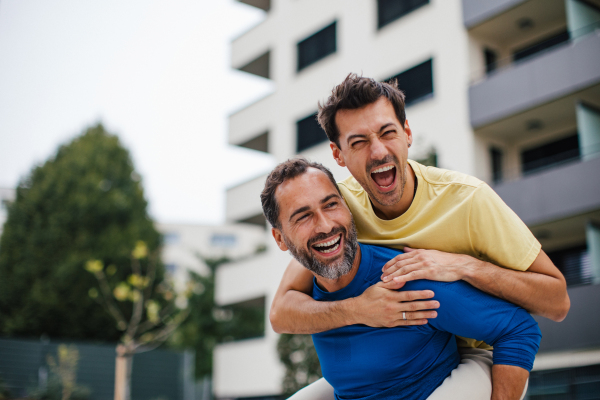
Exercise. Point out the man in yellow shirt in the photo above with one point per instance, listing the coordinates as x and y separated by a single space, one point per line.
451 226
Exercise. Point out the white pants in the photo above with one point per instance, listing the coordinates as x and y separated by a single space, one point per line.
470 380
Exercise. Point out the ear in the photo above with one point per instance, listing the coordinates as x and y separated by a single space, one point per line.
337 154
278 236
409 136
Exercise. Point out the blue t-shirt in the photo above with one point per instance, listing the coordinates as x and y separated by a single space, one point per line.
410 362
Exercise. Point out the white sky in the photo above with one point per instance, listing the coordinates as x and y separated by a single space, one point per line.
154 72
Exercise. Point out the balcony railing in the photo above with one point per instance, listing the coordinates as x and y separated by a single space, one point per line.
532 51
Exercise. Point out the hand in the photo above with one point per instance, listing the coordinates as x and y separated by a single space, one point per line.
381 307
427 264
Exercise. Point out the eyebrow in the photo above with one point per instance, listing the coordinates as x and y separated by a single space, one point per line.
306 208
360 135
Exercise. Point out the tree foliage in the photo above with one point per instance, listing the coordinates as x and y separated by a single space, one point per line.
297 353
209 324
85 203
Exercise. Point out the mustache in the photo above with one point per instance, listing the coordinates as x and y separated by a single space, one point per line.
323 236
385 160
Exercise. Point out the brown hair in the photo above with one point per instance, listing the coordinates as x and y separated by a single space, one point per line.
286 170
356 92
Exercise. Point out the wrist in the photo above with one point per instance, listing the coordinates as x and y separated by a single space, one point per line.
472 268
348 309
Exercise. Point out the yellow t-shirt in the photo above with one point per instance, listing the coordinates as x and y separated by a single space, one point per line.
451 212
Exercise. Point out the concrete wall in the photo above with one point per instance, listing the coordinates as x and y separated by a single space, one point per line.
550 75
557 193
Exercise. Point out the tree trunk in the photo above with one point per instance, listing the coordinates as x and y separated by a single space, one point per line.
124 362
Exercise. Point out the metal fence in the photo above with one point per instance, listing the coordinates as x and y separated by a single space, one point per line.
158 374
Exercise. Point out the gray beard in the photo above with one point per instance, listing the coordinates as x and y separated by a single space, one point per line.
334 270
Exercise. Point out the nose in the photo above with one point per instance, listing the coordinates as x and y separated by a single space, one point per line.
324 224
378 149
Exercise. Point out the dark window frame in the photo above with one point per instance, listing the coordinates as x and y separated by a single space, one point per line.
550 154
316 47
389 11
416 93
309 133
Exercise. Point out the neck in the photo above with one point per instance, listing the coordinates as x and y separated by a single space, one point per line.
408 195
333 285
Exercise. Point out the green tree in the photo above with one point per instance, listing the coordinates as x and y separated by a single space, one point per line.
209 324
297 353
84 203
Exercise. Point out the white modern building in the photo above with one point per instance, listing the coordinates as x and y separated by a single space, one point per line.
187 245
505 90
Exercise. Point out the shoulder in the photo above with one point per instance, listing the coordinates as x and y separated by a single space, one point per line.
375 257
350 185
445 177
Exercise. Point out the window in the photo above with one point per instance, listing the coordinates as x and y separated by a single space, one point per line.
575 265
241 321
541 46
496 158
223 240
390 10
317 46
568 383
491 60
417 82
550 154
171 238
309 133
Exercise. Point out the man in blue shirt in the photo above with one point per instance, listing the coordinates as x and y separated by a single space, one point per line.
310 219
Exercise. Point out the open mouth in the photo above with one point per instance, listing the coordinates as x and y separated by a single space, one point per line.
330 246
384 177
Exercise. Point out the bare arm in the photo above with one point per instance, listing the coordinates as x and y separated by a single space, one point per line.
294 311
508 382
541 289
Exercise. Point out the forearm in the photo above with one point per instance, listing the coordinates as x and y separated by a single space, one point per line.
297 312
538 293
508 382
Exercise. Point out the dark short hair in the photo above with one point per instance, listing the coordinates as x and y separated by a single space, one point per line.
286 170
356 92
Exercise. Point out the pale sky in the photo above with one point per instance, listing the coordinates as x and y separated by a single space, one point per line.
154 72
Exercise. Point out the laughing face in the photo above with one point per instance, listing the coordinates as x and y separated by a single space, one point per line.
374 147
316 225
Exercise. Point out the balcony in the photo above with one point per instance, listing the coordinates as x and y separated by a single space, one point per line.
580 329
478 11
546 77
250 52
242 280
248 368
264 5
251 122
554 195
243 201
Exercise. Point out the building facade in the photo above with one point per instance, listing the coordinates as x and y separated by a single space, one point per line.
505 90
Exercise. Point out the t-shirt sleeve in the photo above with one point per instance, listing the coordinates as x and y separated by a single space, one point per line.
467 311
497 234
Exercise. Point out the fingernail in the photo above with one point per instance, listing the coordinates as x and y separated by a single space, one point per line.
385 278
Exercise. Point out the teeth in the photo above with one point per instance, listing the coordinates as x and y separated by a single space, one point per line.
331 242
332 249
383 169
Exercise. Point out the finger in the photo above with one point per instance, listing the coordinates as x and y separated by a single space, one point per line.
408 249
417 273
400 269
399 257
419 315
424 305
391 285
411 296
407 322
